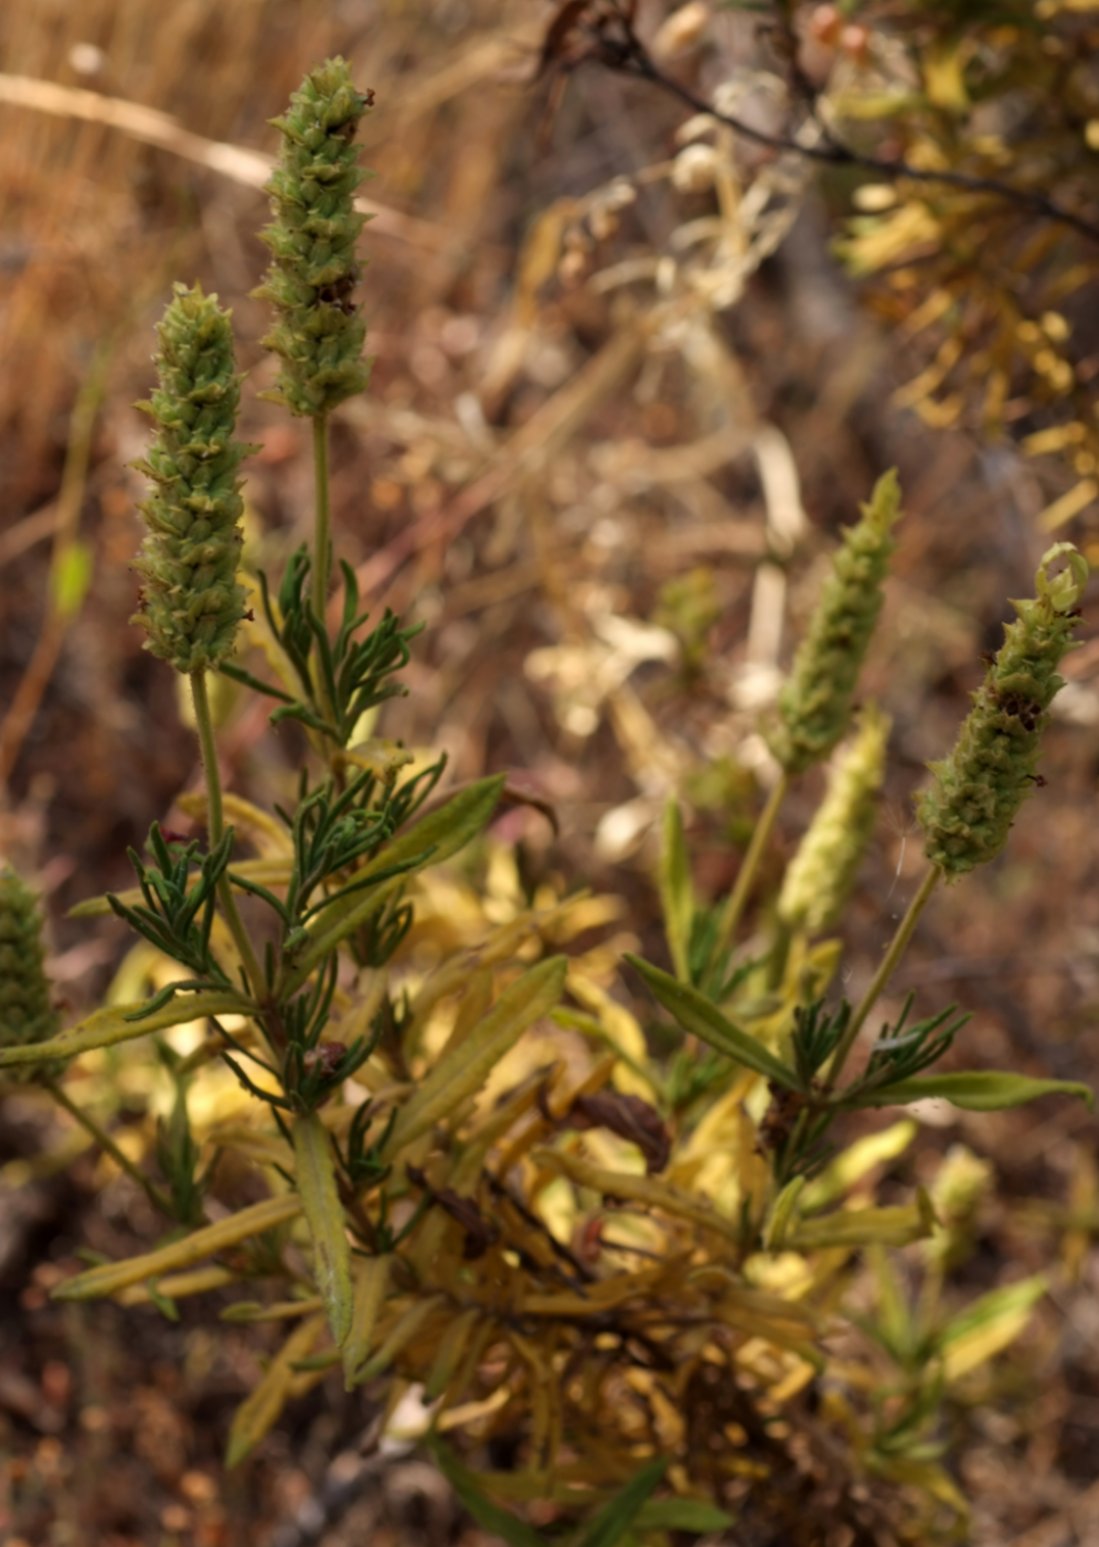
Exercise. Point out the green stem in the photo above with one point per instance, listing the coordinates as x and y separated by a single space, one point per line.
738 897
322 552
158 1199
215 817
780 956
322 536
897 948
215 828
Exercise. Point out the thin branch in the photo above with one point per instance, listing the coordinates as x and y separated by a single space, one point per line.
613 43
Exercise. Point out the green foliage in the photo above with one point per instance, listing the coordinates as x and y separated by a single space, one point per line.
483 1181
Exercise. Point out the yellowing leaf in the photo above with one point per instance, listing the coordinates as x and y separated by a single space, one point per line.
856 1161
109 1027
646 1190
269 835
944 76
260 1410
451 1348
895 1226
987 1326
320 1198
462 1070
404 1331
112 1276
371 1283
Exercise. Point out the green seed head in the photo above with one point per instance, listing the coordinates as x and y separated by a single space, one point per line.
819 878
967 812
26 1014
815 704
318 333
191 602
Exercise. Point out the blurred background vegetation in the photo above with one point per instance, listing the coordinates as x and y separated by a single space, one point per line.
633 368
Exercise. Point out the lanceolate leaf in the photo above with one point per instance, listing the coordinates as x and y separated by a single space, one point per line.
682 1515
488 1515
977 1091
988 1325
320 1198
371 1284
893 1226
107 1028
461 1070
260 1410
676 892
615 1518
696 1014
208 1241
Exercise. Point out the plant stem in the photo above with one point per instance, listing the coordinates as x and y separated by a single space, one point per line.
761 834
106 1143
779 956
215 828
322 536
896 950
322 550
215 818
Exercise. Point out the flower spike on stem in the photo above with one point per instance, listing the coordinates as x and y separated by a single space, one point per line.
815 703
315 270
191 601
318 332
967 812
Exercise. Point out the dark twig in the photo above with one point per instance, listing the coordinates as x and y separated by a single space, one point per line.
606 36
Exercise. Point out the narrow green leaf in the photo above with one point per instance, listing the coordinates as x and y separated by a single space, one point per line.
975 1091
696 1014
435 838
320 1199
461 1070
108 1027
676 892
489 1516
682 1515
615 1518
70 578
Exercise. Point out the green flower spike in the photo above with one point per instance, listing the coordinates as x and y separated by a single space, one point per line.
968 810
815 703
26 1014
314 271
191 602
820 876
